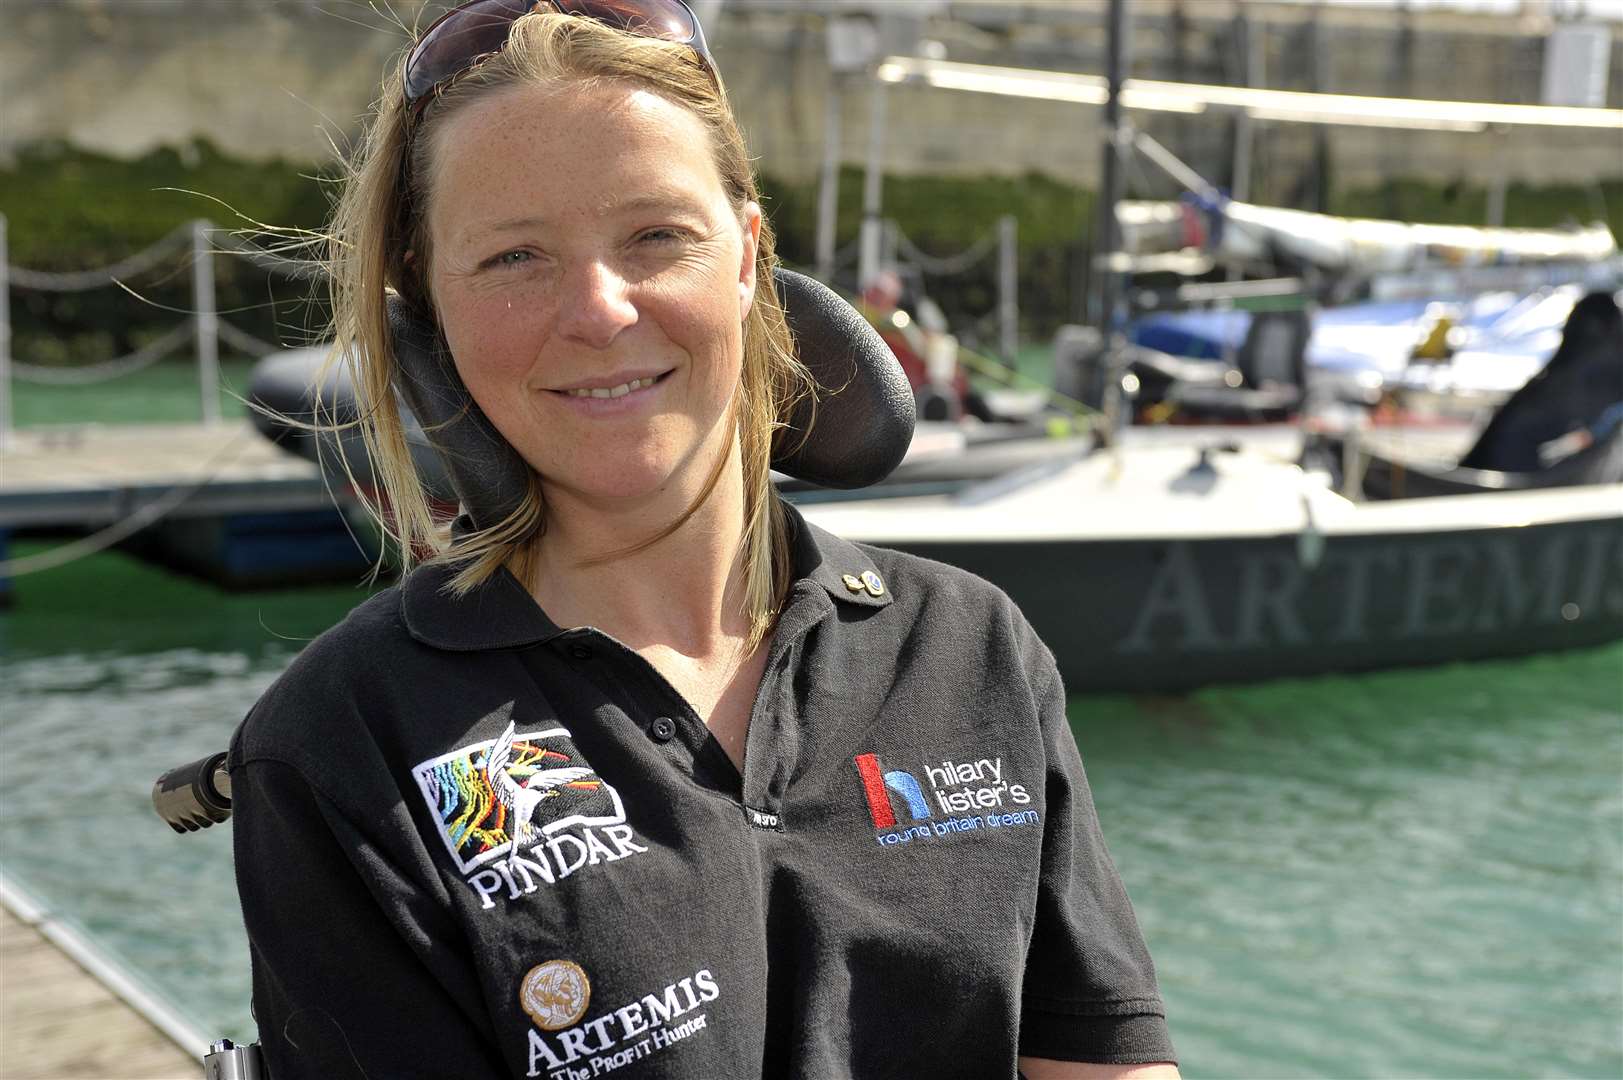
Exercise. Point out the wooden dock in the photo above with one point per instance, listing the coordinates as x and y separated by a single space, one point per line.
219 501
58 1021
92 476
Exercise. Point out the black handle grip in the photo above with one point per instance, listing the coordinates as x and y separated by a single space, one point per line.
195 795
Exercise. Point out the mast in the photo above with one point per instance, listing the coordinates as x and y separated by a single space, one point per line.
1104 276
1108 230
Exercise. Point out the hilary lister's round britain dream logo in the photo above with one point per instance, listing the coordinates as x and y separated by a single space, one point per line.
555 994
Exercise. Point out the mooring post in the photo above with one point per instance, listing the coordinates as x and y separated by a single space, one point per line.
207 322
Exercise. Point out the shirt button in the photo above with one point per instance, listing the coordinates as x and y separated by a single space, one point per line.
663 729
580 652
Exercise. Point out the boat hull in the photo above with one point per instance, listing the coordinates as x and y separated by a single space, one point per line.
1180 613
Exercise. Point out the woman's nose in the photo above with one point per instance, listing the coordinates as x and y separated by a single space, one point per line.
595 304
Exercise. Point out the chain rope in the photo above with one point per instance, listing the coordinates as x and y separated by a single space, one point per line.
85 280
947 264
170 245
105 370
243 341
847 255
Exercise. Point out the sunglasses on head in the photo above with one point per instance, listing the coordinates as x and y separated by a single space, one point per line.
465 35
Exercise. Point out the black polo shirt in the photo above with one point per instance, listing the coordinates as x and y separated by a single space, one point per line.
907 880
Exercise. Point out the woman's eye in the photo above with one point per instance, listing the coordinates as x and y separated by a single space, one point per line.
510 258
661 236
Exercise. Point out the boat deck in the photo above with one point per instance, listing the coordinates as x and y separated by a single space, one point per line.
1163 487
57 1020
91 476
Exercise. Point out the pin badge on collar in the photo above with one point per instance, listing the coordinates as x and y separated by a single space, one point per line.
872 583
852 582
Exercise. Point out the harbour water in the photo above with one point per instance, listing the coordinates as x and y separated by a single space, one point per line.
1413 873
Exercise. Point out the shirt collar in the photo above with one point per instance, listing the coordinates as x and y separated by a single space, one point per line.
839 566
500 613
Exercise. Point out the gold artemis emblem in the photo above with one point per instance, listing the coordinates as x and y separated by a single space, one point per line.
555 994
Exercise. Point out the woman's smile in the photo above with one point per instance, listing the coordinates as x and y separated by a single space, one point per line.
614 395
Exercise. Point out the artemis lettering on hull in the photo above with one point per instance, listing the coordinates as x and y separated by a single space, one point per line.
1387 589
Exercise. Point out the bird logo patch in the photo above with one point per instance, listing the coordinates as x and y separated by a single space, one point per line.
515 797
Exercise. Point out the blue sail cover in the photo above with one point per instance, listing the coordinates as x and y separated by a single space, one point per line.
1499 340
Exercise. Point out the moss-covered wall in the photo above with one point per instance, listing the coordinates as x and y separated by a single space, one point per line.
69 209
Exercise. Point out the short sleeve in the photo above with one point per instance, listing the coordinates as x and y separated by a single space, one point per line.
348 979
1089 992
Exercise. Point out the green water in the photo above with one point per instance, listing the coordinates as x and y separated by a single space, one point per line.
1407 874
165 393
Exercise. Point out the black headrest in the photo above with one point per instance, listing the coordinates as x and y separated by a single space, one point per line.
857 433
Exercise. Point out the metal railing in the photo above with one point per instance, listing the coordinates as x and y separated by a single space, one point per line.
200 241
1002 240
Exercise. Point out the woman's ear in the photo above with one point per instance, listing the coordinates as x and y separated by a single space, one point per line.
746 265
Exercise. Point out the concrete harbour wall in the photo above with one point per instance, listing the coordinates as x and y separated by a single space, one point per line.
279 79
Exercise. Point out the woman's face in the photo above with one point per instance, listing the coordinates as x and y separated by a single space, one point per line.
592 278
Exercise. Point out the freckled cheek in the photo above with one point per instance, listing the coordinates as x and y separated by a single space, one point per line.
702 316
723 346
491 345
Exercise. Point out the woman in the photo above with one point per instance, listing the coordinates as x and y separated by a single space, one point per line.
649 777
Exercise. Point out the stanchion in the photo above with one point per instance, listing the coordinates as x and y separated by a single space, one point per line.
208 326
1008 279
869 262
5 337
828 183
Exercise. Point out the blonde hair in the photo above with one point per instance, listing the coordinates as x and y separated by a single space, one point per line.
379 218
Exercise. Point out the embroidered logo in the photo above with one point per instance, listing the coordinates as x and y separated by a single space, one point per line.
636 1028
522 809
970 795
555 994
876 781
